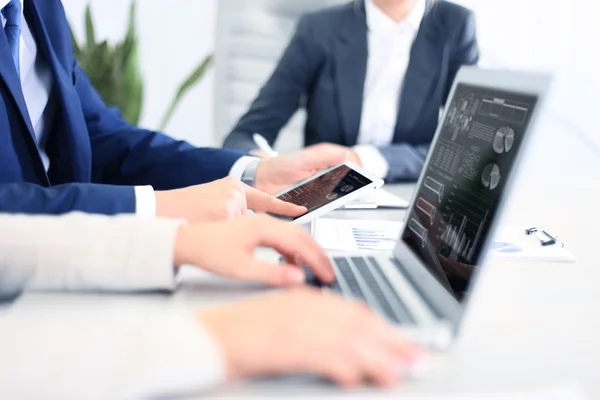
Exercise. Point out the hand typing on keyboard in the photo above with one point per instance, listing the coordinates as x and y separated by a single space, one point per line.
306 331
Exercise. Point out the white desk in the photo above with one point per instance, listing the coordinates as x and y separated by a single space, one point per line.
531 324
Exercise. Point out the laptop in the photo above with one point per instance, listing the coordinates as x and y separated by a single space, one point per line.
423 285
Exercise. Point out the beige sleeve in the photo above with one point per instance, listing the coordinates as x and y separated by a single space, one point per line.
94 349
85 252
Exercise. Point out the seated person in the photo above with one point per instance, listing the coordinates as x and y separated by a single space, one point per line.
156 352
373 75
64 150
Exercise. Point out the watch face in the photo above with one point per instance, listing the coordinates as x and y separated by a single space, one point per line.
249 174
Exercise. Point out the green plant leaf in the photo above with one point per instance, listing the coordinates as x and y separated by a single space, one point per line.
187 84
114 71
132 85
132 80
130 43
90 35
75 43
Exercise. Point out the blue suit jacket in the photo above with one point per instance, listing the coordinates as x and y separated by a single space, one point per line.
324 69
95 155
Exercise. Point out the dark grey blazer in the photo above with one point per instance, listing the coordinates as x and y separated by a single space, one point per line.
324 69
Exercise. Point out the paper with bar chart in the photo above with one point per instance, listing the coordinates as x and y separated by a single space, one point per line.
356 235
363 235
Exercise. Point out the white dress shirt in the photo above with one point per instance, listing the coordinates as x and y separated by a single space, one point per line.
36 81
37 84
91 349
389 44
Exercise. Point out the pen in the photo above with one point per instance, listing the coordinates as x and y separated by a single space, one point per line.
263 145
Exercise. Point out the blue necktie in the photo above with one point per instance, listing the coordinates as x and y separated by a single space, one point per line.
12 29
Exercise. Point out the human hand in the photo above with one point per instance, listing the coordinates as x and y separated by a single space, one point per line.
355 158
227 249
278 173
308 331
218 201
331 148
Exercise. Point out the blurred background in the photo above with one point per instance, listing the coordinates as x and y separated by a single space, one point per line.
248 36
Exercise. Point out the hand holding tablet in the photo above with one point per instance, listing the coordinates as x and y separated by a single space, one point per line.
329 190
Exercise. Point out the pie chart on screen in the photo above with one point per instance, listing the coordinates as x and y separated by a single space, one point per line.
490 177
504 140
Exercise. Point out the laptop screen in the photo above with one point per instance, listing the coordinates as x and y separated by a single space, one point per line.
464 180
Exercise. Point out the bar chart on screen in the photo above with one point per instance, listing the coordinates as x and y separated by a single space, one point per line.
463 241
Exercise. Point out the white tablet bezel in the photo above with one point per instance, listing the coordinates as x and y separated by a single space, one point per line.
376 182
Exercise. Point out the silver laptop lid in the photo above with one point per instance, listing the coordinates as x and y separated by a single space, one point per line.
466 179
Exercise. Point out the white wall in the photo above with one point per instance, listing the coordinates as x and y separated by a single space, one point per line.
560 37
174 37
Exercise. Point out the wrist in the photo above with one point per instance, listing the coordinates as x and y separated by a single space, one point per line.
163 208
355 157
182 248
259 176
242 358
213 321
249 174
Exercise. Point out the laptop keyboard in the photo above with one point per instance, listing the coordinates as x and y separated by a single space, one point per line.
392 303
345 270
362 278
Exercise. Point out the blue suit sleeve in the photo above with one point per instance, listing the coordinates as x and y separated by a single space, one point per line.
28 198
281 96
126 155
405 160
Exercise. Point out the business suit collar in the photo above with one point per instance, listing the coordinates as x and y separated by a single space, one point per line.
4 3
351 57
8 73
350 54
73 150
423 71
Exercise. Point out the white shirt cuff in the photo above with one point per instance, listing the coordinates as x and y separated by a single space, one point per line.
237 170
145 202
372 160
145 198
120 253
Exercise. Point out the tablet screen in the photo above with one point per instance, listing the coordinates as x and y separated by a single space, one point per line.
326 188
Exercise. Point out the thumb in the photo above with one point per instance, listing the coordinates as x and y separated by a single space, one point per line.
275 274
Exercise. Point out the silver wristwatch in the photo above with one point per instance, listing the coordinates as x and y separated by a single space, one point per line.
249 175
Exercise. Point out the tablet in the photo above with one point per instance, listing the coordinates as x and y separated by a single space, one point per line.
330 189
